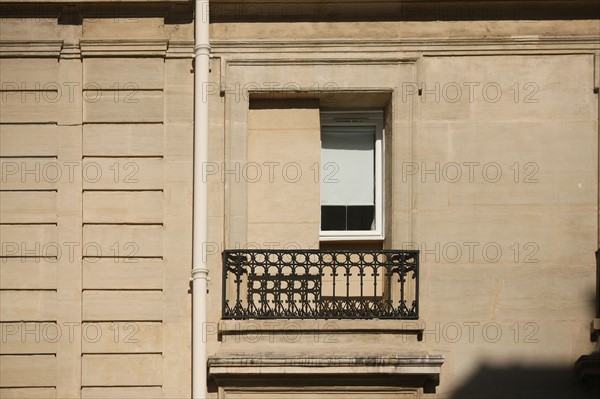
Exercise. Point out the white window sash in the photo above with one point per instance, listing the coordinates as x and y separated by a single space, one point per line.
354 118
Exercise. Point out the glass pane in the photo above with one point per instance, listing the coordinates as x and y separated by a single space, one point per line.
348 165
360 218
333 218
347 218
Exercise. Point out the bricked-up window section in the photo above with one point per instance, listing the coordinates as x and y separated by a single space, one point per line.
351 175
318 284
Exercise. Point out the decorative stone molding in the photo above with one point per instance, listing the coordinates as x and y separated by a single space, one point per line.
273 364
31 49
184 49
96 48
458 45
70 51
407 370
124 48
180 49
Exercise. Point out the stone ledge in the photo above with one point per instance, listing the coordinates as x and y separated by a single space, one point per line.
31 48
409 370
310 364
97 48
231 327
523 43
119 47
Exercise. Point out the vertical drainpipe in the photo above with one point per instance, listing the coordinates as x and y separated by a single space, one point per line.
200 210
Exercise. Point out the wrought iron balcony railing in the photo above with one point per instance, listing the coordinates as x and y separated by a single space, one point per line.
314 284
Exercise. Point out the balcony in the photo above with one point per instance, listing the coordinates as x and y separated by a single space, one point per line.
315 284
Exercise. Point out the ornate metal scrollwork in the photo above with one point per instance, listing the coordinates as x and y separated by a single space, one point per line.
314 284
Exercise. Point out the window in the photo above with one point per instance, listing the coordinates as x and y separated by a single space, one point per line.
351 175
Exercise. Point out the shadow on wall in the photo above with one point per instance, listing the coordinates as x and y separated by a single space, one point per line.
523 382
388 10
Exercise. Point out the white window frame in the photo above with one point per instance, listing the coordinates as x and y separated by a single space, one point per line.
361 118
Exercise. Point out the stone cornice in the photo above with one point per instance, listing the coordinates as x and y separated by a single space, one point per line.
416 361
123 48
96 48
31 49
424 368
180 49
265 49
70 51
421 45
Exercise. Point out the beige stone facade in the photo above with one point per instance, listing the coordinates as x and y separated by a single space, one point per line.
491 170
